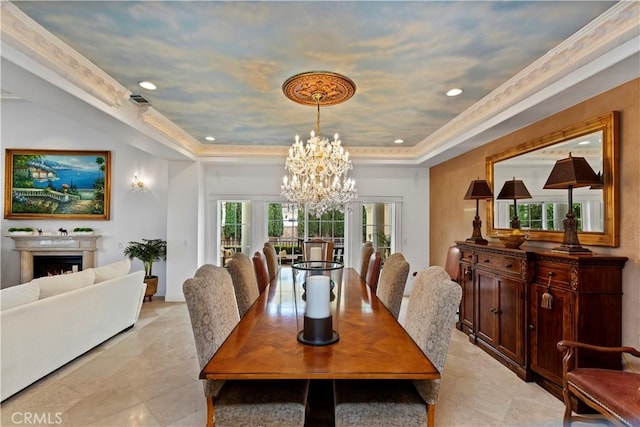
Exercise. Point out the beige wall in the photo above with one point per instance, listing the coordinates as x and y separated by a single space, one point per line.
451 217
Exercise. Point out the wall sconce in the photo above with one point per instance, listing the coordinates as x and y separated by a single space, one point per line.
513 190
478 189
137 184
570 173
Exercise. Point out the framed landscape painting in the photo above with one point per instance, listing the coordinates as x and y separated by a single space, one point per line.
57 184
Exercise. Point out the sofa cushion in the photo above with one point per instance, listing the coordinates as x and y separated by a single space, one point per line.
19 295
111 271
54 285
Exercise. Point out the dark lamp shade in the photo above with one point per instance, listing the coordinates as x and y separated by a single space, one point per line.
514 189
478 189
572 172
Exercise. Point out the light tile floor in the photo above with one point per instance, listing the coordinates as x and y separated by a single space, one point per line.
148 376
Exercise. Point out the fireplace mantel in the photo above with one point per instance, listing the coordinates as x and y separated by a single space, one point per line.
39 245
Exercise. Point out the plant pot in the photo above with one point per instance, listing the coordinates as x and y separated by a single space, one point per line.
152 286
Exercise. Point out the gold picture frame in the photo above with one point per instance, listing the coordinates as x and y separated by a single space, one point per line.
57 184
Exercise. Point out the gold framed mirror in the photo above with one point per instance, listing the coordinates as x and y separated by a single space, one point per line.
541 216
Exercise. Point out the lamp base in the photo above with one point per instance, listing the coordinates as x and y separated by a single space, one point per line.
569 249
477 240
318 331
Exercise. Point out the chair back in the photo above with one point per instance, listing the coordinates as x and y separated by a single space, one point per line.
430 317
452 263
260 267
213 311
393 278
317 250
365 254
245 283
373 271
272 260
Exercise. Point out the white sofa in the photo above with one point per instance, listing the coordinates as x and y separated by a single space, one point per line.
50 321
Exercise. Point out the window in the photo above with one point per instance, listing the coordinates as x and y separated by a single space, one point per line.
531 215
288 227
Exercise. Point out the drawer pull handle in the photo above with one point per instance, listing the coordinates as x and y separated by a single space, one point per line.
487 260
508 265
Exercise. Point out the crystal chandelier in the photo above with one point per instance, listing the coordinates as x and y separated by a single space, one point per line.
318 170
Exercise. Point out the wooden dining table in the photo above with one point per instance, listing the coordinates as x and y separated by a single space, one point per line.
372 343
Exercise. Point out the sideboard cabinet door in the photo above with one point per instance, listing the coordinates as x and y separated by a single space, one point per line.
465 321
585 294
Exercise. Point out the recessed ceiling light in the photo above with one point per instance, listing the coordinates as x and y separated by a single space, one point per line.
585 142
398 141
209 138
454 92
147 85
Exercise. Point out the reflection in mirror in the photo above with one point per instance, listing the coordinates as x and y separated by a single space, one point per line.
546 209
532 162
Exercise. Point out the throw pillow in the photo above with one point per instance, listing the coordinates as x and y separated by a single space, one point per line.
111 271
54 285
19 295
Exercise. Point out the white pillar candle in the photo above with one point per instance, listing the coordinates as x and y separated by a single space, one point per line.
315 254
318 295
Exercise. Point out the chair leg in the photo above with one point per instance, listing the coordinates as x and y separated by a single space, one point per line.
566 419
210 411
431 414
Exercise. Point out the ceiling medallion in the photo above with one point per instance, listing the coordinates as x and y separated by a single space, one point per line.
331 88
317 172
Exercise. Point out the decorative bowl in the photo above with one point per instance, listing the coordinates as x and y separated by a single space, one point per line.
512 241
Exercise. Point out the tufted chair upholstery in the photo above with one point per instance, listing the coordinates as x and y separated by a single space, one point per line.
260 267
272 260
365 254
393 279
429 321
244 281
213 311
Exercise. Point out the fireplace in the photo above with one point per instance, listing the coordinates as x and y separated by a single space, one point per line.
69 250
51 265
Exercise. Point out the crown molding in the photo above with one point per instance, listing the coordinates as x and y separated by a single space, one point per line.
617 25
152 118
24 34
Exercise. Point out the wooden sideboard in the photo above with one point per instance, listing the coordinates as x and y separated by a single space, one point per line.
517 304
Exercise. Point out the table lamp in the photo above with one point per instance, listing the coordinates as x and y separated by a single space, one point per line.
570 173
478 189
514 189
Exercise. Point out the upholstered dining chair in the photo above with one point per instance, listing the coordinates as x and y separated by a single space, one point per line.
260 267
365 254
393 278
429 321
272 260
373 271
452 263
324 251
213 311
244 281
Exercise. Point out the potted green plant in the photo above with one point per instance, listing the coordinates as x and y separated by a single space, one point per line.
83 230
20 231
148 251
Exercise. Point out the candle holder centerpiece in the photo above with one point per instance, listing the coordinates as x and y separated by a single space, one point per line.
320 285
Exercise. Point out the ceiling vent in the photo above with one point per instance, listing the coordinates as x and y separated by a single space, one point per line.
140 100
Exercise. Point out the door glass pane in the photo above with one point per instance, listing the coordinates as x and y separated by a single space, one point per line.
235 232
377 226
282 224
